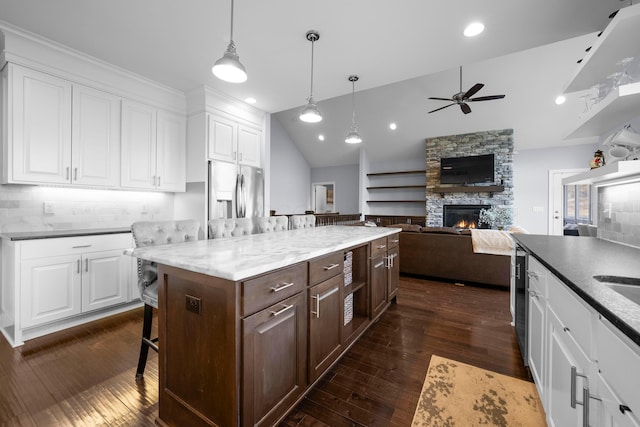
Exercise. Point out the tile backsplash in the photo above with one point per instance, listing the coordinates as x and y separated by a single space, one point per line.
22 208
619 213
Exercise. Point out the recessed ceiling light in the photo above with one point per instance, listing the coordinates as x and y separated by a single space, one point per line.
560 99
393 126
250 100
474 29
321 137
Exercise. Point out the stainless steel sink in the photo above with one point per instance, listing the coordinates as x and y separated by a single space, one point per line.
628 287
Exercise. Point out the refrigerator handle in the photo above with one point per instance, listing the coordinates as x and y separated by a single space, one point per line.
244 196
238 197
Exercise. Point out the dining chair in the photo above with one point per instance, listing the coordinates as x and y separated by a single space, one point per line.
267 224
302 221
230 227
150 233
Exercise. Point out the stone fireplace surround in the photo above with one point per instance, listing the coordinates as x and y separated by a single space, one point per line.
498 142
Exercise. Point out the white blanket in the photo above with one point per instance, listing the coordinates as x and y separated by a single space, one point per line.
494 242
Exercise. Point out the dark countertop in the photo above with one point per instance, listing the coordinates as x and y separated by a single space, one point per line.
575 260
32 235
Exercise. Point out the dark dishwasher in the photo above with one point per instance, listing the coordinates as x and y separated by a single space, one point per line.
521 302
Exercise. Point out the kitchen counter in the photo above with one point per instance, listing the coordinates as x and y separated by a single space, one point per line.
575 260
237 258
32 235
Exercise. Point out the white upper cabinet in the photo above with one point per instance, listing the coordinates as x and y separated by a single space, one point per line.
39 128
60 132
153 148
234 141
95 136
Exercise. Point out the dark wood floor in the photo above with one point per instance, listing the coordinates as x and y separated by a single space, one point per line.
85 376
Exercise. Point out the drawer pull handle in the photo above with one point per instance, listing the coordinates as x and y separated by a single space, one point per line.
395 241
86 265
330 267
319 298
78 266
378 265
281 286
285 308
80 246
381 246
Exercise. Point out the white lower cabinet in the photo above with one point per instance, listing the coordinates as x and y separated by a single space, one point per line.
50 284
586 370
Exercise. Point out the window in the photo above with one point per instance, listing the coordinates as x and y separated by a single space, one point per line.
577 204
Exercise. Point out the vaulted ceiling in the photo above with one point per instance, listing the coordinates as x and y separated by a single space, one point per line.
403 51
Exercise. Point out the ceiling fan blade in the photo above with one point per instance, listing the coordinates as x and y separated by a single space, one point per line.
486 98
473 90
441 99
441 108
465 108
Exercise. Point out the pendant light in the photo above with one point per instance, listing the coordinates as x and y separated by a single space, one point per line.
310 113
229 68
353 137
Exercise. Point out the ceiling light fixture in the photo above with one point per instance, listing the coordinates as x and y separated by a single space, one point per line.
250 100
321 137
229 68
310 113
393 126
474 29
353 137
560 100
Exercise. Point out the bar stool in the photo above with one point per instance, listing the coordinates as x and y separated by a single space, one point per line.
149 233
267 224
302 221
232 227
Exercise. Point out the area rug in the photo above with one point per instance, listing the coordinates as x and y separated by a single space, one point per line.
455 394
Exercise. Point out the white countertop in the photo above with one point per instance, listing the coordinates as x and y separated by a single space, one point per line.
238 258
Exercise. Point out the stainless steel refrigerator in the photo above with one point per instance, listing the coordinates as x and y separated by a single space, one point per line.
235 191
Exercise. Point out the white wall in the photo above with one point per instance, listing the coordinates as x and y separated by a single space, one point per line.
531 181
290 174
346 189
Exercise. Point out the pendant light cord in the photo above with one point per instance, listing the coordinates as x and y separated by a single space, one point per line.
353 102
231 35
313 42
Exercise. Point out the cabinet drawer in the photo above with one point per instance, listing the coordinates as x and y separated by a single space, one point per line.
537 275
393 240
321 269
265 290
39 248
618 363
379 247
571 312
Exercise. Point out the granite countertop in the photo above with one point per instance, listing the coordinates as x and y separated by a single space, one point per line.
32 235
238 258
575 260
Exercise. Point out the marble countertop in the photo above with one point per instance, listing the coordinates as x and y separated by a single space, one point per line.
32 235
238 258
575 260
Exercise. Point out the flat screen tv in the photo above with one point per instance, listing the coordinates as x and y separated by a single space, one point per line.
467 170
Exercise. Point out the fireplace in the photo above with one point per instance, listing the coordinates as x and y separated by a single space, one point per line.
463 216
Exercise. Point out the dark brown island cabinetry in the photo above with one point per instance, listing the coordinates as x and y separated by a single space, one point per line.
243 353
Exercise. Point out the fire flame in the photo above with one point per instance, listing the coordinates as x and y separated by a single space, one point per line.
464 224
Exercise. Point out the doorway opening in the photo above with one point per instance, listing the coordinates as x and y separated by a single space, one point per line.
323 197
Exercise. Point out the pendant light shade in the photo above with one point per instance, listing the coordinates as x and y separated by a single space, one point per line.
353 137
229 68
310 113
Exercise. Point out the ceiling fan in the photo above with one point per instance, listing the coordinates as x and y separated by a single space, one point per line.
461 98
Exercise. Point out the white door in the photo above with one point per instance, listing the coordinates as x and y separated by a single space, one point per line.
556 199
249 143
138 145
96 138
171 154
41 127
222 139
320 198
104 281
50 289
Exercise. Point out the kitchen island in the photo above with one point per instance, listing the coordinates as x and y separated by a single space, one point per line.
248 324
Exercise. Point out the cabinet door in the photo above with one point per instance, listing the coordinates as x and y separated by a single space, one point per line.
274 360
41 126
325 324
104 281
536 325
96 138
171 155
378 285
393 279
564 354
50 289
138 145
249 144
222 141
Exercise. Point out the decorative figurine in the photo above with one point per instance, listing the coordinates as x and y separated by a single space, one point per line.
598 159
